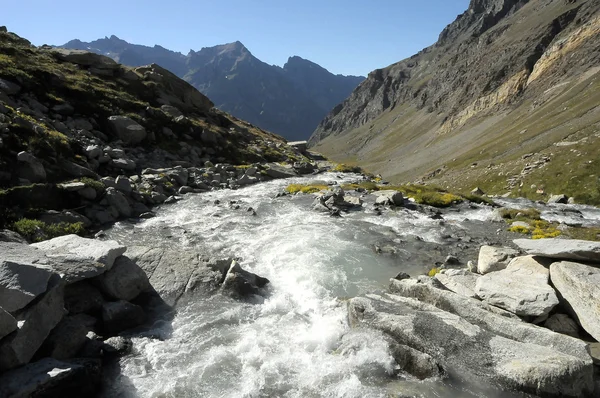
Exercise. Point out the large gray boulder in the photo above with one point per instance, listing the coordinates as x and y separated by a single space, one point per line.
242 283
83 298
277 171
522 288
459 281
494 258
84 250
389 197
128 130
175 273
117 200
24 275
564 249
125 280
465 348
30 168
67 338
49 377
579 286
8 324
35 324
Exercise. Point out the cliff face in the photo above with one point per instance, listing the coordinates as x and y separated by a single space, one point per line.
290 101
489 90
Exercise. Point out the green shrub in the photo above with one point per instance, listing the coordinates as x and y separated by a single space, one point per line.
37 231
520 229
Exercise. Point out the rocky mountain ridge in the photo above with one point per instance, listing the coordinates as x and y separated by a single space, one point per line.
289 100
505 80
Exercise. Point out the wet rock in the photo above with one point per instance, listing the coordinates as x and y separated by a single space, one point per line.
117 200
389 198
579 286
125 280
83 298
8 324
564 249
277 171
241 282
128 130
562 198
76 248
117 346
247 180
459 281
522 288
121 315
24 275
562 323
494 258
36 322
30 168
49 377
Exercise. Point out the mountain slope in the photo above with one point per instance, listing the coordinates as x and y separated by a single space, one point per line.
290 101
506 79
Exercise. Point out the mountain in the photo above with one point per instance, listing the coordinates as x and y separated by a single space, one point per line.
507 99
289 100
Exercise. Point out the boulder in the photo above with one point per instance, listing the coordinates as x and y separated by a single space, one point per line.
66 216
67 338
117 200
128 130
125 280
8 324
121 315
6 235
494 258
458 281
464 348
35 324
275 170
522 288
171 111
49 377
93 151
123 164
561 198
240 282
123 184
76 248
30 168
389 197
83 298
117 346
24 275
88 193
352 201
562 323
76 170
564 249
247 180
579 286
9 87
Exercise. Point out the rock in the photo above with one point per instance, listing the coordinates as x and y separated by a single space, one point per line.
76 170
117 200
9 87
459 281
88 193
247 180
65 109
49 377
67 338
128 130
117 346
562 323
76 248
8 324
185 189
125 280
275 170
494 258
121 315
123 164
24 275
522 288
521 224
83 298
389 197
6 235
352 201
558 199
208 137
65 216
93 151
35 324
564 249
171 111
242 283
579 286
175 273
123 184
30 168
72 186
477 191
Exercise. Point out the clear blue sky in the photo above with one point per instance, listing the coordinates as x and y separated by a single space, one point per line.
344 36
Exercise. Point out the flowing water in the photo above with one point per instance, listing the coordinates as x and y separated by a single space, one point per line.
295 342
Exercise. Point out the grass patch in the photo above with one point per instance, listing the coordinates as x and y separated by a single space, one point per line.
37 231
97 185
305 188
520 215
520 229
433 272
346 168
363 185
592 233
